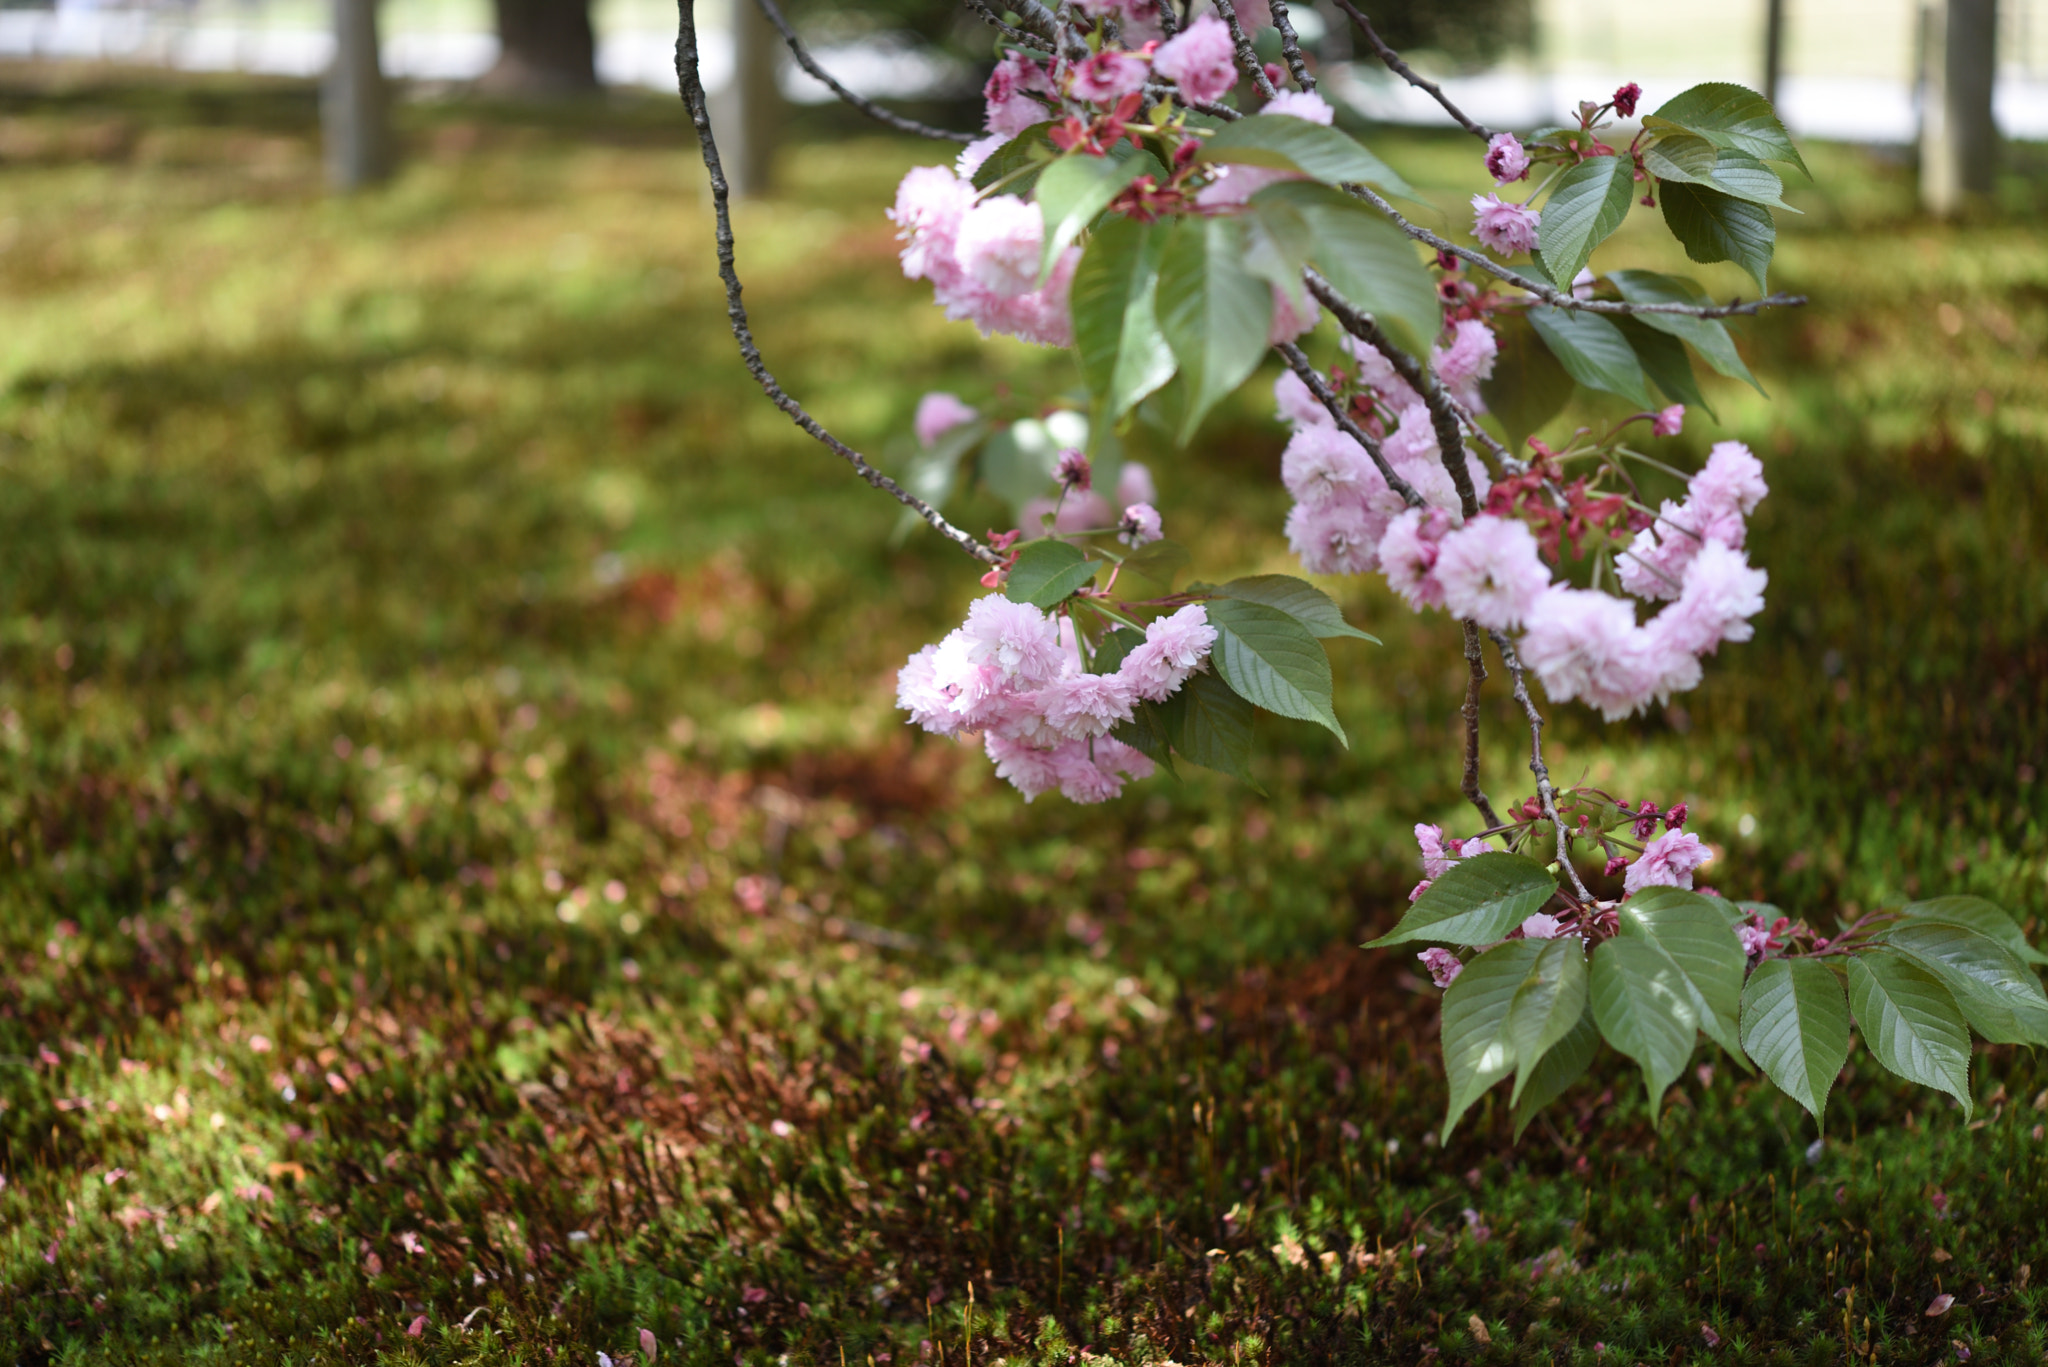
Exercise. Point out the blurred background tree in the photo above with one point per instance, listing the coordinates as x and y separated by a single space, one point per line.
545 48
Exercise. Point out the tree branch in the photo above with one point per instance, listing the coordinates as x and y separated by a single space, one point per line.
1475 660
692 84
1008 30
1407 73
1545 792
1247 56
1290 46
1298 362
865 106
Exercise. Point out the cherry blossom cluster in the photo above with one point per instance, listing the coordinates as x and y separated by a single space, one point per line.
1507 228
1019 678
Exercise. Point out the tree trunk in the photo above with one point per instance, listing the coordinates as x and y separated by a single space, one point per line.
545 48
1958 134
1774 48
353 120
746 113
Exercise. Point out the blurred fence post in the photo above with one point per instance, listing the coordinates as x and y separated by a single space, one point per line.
353 121
1958 133
747 114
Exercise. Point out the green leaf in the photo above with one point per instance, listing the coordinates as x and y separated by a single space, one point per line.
1565 1064
1986 918
1699 942
1286 143
1367 260
1298 598
1476 902
1528 387
1592 350
1795 1024
1477 1049
1211 726
932 474
1077 187
1708 336
1548 1005
1664 361
1682 157
1278 237
1046 573
1643 1007
1214 312
1585 207
1018 462
1910 1022
1712 226
1145 732
1729 116
2000 996
1124 356
1030 147
1159 561
1273 661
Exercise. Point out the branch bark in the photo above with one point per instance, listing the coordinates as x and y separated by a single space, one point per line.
1475 661
1290 46
1247 56
691 82
1545 792
1407 73
1298 362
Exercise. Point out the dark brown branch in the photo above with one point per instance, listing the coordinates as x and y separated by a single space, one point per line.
1475 660
1298 362
1408 74
1546 793
865 106
1247 56
1290 45
1010 31
692 84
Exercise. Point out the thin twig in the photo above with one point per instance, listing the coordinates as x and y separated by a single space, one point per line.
1407 73
865 106
1475 660
692 84
1290 45
1247 56
1545 792
1008 30
1298 362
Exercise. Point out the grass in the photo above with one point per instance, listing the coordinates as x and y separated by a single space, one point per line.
459 859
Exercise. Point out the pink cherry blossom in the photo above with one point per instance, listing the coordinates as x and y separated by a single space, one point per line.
1436 861
1107 75
1505 228
976 153
1467 360
1491 572
1015 638
930 203
1586 645
1444 966
1079 705
1174 647
1542 926
939 413
1010 111
1139 526
1288 321
1201 60
1000 243
1669 421
1301 104
1342 538
1505 159
1322 466
1721 594
1731 481
919 693
1030 770
1408 554
1376 370
1668 861
1094 770
1298 405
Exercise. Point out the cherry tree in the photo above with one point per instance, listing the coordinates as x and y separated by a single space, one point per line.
1164 192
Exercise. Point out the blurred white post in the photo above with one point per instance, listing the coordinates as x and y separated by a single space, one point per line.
353 119
747 113
1958 134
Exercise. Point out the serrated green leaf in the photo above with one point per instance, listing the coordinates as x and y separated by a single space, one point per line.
1712 226
1795 1024
1585 206
1123 354
1708 336
1158 561
1984 917
1047 572
1110 651
1278 238
1366 259
1273 661
1699 941
1477 1049
1215 313
1476 902
1286 143
1910 1022
1077 187
1692 160
2000 996
1030 147
1209 725
1592 350
1548 1005
1528 387
1299 599
1644 1009
1664 363
1729 115
1565 1063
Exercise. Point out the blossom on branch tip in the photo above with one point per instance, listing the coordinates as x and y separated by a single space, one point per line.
1503 227
1505 159
1016 639
1625 100
1668 862
1201 59
1444 966
1668 421
1731 481
1073 470
1490 572
939 413
1139 526
1174 648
